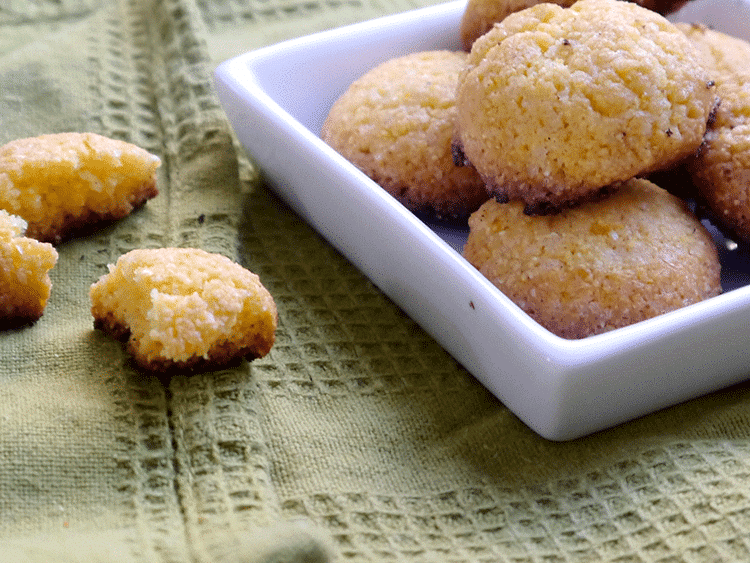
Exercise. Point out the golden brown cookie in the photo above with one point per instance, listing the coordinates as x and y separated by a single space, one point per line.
723 54
184 308
721 171
396 124
600 266
67 183
557 103
25 263
481 15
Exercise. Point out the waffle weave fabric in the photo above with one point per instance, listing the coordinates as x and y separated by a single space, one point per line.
357 438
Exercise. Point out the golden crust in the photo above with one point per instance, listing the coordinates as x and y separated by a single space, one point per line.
24 273
604 265
556 103
66 183
396 124
182 308
721 170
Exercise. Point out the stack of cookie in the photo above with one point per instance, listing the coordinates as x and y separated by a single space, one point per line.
556 123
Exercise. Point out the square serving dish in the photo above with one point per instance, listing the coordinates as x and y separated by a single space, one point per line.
277 99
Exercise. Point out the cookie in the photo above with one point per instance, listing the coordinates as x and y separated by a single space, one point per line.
603 265
557 103
184 308
723 54
24 273
480 15
68 183
721 170
396 124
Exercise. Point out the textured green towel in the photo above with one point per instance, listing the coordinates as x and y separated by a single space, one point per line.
357 438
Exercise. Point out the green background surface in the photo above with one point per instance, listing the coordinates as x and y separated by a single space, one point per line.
358 438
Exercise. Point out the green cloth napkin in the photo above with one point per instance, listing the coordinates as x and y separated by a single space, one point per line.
357 438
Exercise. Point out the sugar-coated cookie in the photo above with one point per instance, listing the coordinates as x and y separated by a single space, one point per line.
396 124
721 170
184 308
25 263
603 265
66 183
557 103
480 15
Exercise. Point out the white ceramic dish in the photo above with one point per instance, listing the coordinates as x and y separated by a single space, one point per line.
277 98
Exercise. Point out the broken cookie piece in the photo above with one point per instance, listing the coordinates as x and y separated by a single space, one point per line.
184 308
66 183
24 273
